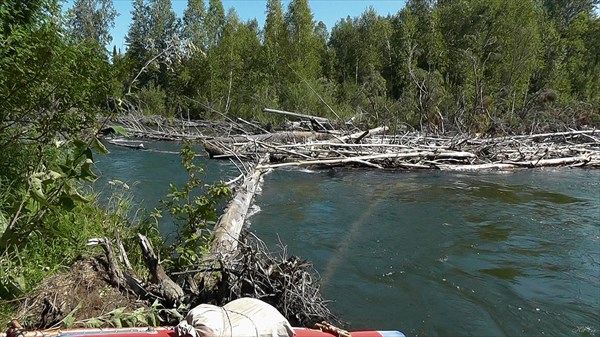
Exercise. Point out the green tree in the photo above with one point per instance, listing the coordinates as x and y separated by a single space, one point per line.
374 40
235 63
155 50
275 44
51 89
215 22
470 33
303 45
345 44
163 24
91 20
516 58
137 38
164 42
564 11
582 62
49 84
304 60
194 21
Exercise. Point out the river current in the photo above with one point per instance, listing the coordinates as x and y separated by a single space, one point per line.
428 253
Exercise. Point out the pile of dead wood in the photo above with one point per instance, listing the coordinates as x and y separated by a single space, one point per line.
317 141
160 128
375 149
173 129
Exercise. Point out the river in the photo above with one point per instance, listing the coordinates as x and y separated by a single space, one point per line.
428 253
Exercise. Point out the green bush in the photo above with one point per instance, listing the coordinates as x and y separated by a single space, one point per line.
152 100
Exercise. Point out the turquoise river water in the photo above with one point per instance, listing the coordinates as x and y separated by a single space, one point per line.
428 253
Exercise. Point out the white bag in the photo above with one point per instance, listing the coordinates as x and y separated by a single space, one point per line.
244 317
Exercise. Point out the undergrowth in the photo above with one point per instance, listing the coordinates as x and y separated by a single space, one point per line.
57 232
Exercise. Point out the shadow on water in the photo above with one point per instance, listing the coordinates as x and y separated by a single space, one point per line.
494 232
518 194
505 273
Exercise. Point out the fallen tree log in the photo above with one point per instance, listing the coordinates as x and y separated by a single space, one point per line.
162 284
360 159
228 229
276 137
552 162
227 233
357 137
475 167
297 115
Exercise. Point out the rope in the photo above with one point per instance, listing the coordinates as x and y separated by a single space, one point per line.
15 329
329 328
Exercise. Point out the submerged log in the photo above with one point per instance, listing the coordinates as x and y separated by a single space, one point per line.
137 146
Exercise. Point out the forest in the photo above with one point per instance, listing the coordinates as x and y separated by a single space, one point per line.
478 67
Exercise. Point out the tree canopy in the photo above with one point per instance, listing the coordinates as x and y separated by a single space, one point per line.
482 66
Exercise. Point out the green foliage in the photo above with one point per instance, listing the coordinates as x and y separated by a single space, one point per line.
138 33
215 21
496 66
303 45
275 43
194 24
194 213
152 99
49 220
91 20
52 86
452 65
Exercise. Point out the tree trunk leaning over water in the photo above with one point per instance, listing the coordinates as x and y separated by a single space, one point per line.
228 230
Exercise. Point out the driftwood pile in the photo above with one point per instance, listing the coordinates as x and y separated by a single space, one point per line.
162 128
413 151
315 141
172 129
288 283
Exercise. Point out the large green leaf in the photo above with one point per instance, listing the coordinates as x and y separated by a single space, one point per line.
86 171
97 144
73 193
37 189
119 130
3 223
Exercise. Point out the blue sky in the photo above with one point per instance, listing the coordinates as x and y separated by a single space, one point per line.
328 11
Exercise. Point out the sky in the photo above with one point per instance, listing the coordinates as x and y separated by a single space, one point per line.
328 11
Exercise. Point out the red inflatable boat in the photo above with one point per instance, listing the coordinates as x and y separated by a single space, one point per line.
170 332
